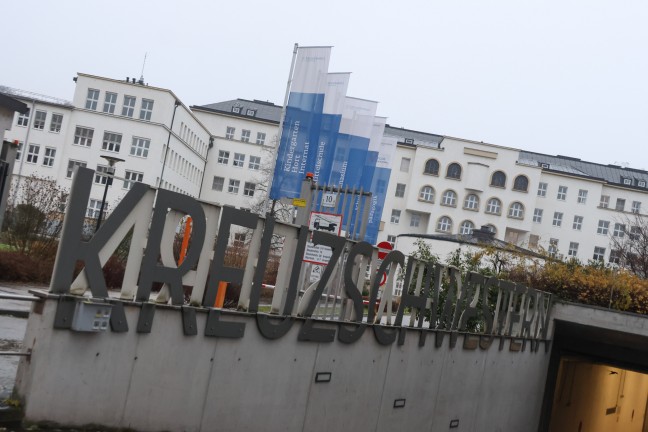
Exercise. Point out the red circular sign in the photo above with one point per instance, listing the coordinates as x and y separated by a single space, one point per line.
384 248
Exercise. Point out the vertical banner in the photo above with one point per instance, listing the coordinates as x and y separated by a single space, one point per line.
336 88
301 126
352 142
379 187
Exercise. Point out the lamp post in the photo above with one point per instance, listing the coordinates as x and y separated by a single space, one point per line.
110 173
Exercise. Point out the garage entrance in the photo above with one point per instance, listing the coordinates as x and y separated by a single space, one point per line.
597 381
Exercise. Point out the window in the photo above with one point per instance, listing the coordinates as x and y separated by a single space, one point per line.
19 151
533 241
405 164
454 171
542 189
111 141
562 193
48 158
603 227
239 160
444 224
239 239
557 219
56 123
395 216
431 167
619 230
254 163
627 181
245 135
109 103
636 206
578 223
101 174
391 239
599 253
620 204
573 249
615 256
471 202
537 215
553 247
71 165
223 157
233 186
582 196
129 106
140 147
32 153
230 132
92 99
147 109
236 109
426 194
260 138
449 198
466 227
23 119
415 220
131 177
498 179
635 233
400 190
516 211
521 183
83 136
218 183
94 206
39 120
605 201
248 189
491 228
494 206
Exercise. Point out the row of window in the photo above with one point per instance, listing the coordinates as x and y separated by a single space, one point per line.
254 162
128 104
103 174
176 162
40 121
572 251
245 135
444 224
233 186
33 154
111 141
604 202
191 138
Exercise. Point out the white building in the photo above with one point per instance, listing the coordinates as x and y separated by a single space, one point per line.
245 135
448 185
157 138
222 153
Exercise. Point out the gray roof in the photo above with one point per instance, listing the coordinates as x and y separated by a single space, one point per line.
615 174
262 110
12 104
414 138
36 97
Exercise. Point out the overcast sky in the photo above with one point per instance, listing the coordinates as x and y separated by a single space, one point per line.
557 77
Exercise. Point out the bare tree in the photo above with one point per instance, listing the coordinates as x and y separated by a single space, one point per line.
34 216
629 244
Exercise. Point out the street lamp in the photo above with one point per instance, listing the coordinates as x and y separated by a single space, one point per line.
110 172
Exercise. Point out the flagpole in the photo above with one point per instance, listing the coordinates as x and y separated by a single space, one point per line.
281 121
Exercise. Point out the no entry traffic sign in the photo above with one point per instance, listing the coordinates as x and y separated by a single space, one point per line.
384 248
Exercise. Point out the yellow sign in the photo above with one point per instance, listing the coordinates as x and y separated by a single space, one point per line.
298 202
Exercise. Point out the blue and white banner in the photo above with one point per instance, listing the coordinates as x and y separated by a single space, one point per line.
337 84
379 187
352 143
301 126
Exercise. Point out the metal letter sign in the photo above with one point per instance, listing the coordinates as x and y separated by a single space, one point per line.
329 199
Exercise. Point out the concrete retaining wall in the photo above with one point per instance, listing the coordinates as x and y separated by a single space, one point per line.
165 380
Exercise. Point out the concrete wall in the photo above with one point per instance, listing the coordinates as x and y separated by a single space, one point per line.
168 381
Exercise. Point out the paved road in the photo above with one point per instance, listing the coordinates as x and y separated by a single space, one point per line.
12 332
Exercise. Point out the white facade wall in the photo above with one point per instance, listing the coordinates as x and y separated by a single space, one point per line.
478 162
143 145
233 160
